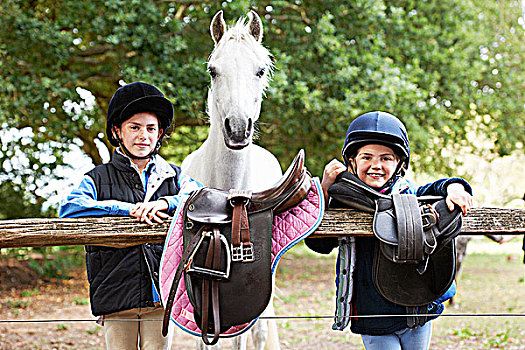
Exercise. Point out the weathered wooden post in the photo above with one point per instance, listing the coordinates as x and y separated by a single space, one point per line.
127 231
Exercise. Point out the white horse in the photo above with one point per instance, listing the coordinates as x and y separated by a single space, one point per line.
240 68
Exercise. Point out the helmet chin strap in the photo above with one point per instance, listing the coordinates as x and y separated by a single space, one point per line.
397 174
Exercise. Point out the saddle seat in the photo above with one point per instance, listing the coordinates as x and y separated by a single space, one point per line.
214 206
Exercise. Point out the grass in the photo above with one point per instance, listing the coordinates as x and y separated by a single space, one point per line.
491 281
17 304
29 293
62 327
94 330
81 301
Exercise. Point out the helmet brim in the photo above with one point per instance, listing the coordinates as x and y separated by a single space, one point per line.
352 146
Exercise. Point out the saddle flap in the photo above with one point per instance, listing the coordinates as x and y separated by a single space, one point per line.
402 283
384 224
245 293
209 206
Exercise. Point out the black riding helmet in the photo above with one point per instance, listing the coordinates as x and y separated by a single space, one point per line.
135 98
378 128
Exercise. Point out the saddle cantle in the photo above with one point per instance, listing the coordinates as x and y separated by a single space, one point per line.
414 259
227 241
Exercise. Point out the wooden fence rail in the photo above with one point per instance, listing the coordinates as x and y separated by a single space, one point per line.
127 231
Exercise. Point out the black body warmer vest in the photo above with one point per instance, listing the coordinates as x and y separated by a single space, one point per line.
121 278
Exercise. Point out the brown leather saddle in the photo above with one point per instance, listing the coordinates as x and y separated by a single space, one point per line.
414 262
226 260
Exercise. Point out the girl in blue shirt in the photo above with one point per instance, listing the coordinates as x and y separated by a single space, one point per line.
123 282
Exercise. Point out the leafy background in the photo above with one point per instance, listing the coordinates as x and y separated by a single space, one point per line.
451 70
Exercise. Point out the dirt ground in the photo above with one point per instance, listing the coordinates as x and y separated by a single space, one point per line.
304 287
25 296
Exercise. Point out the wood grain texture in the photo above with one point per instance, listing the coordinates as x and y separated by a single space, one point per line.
127 231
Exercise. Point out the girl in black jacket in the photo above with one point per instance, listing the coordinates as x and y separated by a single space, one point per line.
377 151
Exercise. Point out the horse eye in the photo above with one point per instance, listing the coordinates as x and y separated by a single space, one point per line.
260 73
213 72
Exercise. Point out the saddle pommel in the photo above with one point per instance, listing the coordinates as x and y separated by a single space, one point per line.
290 190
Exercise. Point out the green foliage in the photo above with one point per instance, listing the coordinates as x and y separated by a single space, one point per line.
94 330
62 327
443 67
17 304
81 301
498 340
29 293
50 262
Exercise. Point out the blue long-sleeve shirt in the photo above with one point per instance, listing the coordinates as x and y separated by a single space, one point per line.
82 201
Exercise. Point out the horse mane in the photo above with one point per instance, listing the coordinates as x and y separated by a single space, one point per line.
240 32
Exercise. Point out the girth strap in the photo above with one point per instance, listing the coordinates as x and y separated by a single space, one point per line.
411 238
242 247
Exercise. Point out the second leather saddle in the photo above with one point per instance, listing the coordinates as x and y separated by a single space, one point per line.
414 260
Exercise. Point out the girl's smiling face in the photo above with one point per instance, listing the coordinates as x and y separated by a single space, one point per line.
140 133
374 164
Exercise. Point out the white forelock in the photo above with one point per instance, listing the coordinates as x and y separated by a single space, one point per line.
240 32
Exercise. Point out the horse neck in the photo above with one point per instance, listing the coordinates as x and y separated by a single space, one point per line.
231 168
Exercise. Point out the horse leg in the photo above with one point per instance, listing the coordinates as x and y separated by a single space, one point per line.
259 334
272 341
239 342
199 345
269 335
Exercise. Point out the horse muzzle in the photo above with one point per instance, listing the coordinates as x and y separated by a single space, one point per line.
237 132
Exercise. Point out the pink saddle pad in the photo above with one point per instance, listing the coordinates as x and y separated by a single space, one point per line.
289 228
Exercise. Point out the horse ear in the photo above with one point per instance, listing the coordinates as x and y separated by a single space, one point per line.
217 27
255 25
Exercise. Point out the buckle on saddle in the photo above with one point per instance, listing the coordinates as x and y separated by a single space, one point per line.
236 253
243 253
241 248
247 252
210 273
429 216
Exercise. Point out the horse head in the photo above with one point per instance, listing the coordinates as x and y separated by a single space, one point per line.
240 68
